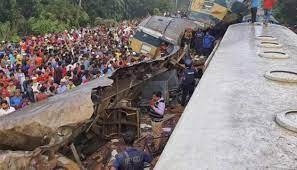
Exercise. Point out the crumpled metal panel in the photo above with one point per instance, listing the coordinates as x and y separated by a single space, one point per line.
158 23
167 28
26 128
212 12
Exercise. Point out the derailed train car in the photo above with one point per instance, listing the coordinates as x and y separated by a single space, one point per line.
217 13
156 31
28 135
34 135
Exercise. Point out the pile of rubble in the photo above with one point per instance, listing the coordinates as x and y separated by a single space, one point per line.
102 158
88 152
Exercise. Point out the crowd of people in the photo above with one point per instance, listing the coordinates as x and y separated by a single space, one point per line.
202 41
39 67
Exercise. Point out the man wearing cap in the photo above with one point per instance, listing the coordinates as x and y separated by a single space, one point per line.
131 158
198 41
188 80
208 43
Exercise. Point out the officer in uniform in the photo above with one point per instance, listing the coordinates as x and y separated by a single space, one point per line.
131 158
188 80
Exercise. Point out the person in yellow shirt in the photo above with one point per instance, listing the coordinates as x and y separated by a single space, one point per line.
118 54
19 58
70 85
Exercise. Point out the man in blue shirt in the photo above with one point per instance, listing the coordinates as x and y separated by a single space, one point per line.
16 101
208 43
12 59
254 9
198 41
2 53
62 88
131 158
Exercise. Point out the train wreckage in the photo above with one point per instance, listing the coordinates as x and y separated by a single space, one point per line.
42 135
100 110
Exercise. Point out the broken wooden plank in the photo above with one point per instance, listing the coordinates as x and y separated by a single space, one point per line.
76 156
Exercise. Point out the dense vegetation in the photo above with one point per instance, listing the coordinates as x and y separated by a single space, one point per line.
286 12
23 17
27 17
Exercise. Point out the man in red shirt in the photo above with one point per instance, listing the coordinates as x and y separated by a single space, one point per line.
38 61
3 91
267 6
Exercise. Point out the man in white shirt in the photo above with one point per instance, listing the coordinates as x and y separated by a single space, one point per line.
157 106
157 109
5 108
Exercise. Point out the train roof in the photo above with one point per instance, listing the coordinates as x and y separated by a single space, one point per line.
229 122
167 28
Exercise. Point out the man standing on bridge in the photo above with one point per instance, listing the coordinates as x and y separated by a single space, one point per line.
267 6
254 9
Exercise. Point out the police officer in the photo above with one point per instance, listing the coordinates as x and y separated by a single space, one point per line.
188 80
131 158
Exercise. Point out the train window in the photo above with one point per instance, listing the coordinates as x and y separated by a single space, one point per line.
145 49
208 4
141 36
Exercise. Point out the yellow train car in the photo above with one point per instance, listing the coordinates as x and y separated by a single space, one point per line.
145 44
156 33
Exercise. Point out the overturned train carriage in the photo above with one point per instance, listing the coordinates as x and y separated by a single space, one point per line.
155 30
217 13
104 106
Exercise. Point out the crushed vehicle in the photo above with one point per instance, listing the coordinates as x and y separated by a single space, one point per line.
82 120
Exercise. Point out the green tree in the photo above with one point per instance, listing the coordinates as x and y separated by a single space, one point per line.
21 17
286 12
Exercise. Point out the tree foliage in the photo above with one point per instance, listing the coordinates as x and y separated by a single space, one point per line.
286 12
23 17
